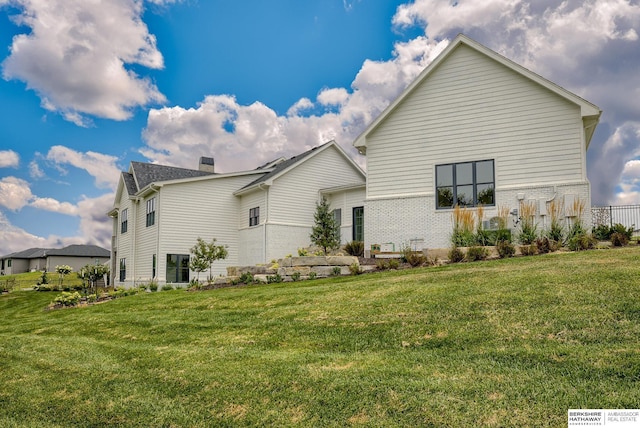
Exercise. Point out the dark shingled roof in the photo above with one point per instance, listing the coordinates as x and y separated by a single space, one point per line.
80 251
282 166
147 173
129 183
31 253
69 251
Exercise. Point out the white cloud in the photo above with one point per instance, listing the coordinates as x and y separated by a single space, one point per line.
100 166
333 96
35 171
95 226
14 193
50 204
300 106
243 136
74 57
9 158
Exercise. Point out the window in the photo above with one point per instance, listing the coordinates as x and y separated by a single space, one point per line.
467 184
358 223
124 220
254 216
123 269
151 212
178 268
337 216
153 267
9 263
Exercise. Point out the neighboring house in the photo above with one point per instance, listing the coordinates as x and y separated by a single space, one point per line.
39 259
474 128
261 214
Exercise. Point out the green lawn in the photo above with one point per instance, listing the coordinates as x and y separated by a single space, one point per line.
501 343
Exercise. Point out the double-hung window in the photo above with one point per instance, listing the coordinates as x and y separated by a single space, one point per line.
467 184
124 220
151 212
254 216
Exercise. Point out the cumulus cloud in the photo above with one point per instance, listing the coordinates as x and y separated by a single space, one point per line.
14 193
9 158
75 57
244 136
35 171
100 166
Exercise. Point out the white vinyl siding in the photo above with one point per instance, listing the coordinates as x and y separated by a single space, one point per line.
293 197
206 209
471 108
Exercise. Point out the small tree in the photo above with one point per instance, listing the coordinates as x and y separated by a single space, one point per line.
325 232
62 271
204 254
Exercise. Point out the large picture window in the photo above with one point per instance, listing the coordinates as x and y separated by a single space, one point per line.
467 184
124 220
151 212
178 268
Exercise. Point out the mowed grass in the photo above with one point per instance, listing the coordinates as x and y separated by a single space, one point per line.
501 343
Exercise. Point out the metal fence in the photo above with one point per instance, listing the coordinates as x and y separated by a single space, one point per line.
627 215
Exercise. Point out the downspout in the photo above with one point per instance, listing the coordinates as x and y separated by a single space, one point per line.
157 189
136 201
265 188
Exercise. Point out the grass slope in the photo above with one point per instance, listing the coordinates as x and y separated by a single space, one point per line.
501 343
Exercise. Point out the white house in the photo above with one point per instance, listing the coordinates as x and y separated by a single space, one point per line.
473 128
261 214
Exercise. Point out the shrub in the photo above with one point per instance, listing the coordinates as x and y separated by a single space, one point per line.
394 264
483 237
528 228
582 242
477 253
296 276
91 298
312 275
619 228
619 239
247 278
505 249
463 224
336 271
382 264
528 250
546 245
167 287
355 269
153 286
355 248
502 235
456 255
414 258
67 299
602 232
303 252
556 230
44 279
273 279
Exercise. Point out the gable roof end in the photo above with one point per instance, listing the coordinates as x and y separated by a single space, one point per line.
590 112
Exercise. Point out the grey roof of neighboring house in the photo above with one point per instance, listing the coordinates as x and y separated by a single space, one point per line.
147 173
80 251
282 166
69 251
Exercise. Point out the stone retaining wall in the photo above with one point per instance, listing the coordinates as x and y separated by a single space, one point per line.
321 266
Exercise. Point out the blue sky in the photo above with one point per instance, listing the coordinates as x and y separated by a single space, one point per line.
88 87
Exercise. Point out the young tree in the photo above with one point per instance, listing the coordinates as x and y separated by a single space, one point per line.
204 254
325 232
62 271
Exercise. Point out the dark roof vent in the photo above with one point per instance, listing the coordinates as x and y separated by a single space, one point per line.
206 164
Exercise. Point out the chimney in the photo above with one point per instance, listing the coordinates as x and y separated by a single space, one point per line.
206 164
